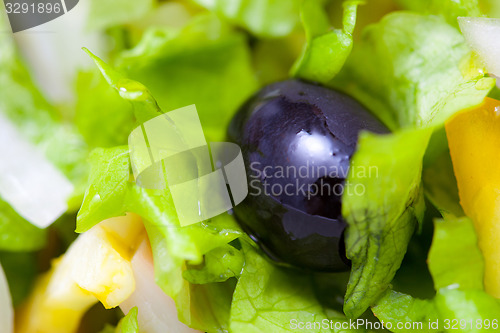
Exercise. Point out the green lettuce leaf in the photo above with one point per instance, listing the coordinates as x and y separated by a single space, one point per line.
438 177
173 246
108 184
450 311
414 71
115 12
218 265
129 324
394 308
382 205
143 103
267 18
449 9
413 277
112 192
326 50
17 234
446 262
210 306
469 305
457 267
268 298
205 63
211 288
20 270
97 104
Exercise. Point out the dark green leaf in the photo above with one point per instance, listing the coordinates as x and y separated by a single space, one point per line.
438 178
20 270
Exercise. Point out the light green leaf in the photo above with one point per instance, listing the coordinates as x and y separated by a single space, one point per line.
468 305
268 297
219 265
183 243
103 118
17 234
113 193
394 308
108 184
454 259
449 9
205 63
469 309
129 324
105 14
457 268
326 50
382 204
144 105
264 18
414 71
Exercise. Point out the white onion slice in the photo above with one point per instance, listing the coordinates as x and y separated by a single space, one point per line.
34 187
157 312
483 36
6 311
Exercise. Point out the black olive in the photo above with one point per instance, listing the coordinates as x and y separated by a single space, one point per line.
297 139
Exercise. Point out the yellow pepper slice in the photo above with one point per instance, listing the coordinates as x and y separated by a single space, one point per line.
95 268
474 141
